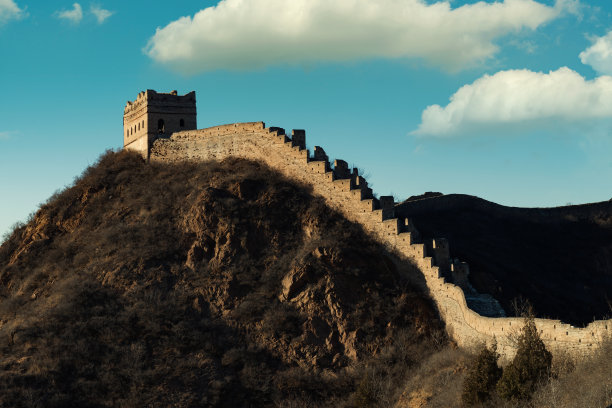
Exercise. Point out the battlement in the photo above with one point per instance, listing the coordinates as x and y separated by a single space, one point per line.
151 97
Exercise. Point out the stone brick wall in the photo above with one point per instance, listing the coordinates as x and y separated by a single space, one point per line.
346 191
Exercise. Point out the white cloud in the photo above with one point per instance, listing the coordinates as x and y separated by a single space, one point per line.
10 11
245 34
520 98
100 13
572 7
74 16
528 47
599 55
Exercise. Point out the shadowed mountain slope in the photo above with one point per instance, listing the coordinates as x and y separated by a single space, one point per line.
199 284
559 259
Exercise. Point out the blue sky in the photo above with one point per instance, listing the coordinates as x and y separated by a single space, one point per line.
508 100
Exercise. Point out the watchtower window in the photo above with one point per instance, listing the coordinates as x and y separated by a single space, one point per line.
138 125
182 123
160 126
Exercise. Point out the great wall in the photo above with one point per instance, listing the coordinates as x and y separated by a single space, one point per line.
348 192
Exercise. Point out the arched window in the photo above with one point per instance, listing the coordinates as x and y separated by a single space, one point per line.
138 125
182 123
127 133
161 126
143 123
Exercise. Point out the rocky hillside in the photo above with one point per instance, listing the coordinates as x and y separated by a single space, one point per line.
210 284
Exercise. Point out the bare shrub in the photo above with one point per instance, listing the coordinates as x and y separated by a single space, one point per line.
588 384
437 381
373 390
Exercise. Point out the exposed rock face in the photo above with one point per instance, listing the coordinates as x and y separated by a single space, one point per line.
194 285
324 288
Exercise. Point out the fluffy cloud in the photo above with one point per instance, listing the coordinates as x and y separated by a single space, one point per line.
74 16
520 98
9 11
599 55
100 13
244 34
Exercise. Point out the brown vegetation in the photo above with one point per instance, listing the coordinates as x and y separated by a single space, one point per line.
209 284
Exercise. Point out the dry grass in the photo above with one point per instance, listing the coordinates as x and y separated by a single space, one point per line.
573 384
584 384
105 302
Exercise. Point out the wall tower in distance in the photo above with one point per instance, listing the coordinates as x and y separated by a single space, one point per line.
153 115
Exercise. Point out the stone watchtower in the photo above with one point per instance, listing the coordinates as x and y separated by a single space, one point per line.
153 115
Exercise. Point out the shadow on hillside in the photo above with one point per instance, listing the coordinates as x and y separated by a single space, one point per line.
559 259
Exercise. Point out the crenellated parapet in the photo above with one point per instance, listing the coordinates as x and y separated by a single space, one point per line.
167 101
347 191
154 115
